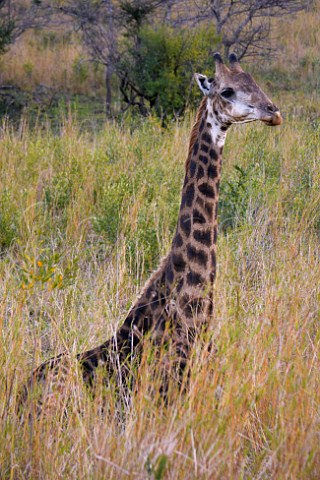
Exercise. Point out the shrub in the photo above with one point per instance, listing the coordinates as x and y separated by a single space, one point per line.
8 221
161 64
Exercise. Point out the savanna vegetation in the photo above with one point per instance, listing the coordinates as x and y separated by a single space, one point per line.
88 207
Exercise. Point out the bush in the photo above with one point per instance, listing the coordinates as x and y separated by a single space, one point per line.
125 210
160 66
108 219
245 191
8 221
6 29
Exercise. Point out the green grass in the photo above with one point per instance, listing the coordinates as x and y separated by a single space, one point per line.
84 218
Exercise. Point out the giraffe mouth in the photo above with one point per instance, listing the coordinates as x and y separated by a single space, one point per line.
273 120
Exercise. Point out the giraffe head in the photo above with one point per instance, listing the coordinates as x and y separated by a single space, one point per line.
235 96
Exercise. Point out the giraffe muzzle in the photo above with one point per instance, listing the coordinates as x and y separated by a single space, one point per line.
273 120
277 118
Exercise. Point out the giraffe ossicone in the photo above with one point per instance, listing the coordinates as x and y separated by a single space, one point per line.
177 300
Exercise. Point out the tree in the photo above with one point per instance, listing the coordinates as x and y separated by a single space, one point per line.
245 25
96 21
16 17
19 16
102 23
6 27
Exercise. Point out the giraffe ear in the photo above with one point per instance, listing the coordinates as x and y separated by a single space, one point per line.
204 83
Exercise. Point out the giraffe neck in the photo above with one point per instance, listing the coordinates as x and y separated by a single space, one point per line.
180 290
194 245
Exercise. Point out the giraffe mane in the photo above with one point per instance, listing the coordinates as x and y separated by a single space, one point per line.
195 130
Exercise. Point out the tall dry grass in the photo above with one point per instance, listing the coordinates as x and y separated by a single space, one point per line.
54 59
84 218
69 273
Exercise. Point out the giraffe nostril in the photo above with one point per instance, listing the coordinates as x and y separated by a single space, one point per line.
271 108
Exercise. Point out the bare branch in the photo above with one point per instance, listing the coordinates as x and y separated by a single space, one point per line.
245 26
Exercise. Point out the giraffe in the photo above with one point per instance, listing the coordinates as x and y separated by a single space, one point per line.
177 300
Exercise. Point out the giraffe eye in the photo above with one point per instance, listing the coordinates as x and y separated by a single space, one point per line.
227 93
